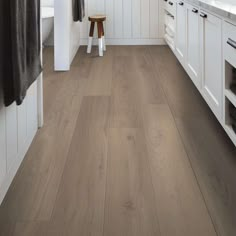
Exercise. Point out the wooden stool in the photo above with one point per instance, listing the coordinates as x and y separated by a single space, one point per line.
99 19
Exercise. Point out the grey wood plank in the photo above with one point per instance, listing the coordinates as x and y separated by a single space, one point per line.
181 94
100 76
7 228
81 196
182 210
125 105
212 156
130 203
83 62
149 84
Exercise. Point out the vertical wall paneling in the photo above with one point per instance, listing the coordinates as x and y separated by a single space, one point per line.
136 18
154 18
128 21
145 18
161 25
127 18
100 8
85 24
31 101
92 7
118 19
22 124
3 159
11 135
109 10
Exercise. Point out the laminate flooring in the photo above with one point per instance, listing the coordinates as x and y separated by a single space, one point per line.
129 148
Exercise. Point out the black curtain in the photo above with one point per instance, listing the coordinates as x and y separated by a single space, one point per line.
20 47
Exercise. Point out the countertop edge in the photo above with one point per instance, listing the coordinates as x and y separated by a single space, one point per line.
227 11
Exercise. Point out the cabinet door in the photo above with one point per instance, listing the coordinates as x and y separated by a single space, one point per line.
193 44
211 48
181 31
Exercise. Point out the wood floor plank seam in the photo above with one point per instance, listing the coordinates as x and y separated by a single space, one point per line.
107 164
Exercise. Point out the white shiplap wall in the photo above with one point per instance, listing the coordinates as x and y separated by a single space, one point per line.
128 21
18 126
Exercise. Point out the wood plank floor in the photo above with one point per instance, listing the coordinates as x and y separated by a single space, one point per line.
129 148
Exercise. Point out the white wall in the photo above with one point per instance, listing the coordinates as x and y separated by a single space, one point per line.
49 3
66 33
128 21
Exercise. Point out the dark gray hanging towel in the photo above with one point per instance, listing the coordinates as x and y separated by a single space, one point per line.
5 53
21 52
78 10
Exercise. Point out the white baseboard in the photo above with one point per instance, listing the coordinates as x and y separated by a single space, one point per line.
160 41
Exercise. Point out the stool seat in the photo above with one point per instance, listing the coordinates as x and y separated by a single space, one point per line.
97 18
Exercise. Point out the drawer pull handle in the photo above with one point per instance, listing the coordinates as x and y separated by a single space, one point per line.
195 10
203 15
171 3
232 43
181 3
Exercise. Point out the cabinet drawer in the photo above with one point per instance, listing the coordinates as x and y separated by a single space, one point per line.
230 43
170 6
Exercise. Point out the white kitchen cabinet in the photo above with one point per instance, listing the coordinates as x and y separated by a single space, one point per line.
205 45
212 61
193 44
181 31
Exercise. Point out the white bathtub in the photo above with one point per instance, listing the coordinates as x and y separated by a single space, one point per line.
48 20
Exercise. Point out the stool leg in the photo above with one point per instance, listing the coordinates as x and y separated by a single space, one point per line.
103 38
100 45
90 42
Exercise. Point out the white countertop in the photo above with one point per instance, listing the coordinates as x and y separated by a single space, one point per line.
226 9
